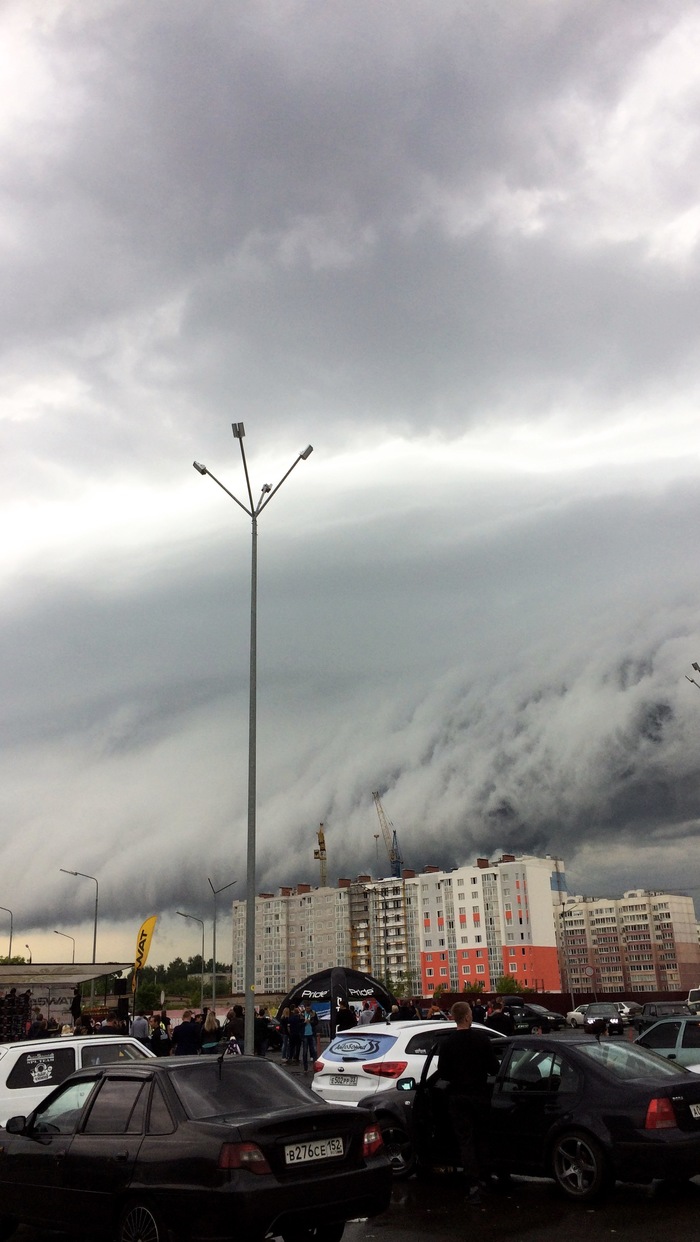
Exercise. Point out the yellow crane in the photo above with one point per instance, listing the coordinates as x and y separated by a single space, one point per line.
390 839
320 856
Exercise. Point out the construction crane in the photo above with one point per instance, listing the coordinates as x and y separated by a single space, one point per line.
320 856
390 840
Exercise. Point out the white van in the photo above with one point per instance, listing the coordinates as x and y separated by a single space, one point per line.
29 1070
693 1001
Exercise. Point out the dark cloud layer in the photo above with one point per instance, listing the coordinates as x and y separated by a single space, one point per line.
455 248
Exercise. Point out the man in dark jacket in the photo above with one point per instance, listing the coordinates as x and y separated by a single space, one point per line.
185 1037
500 1018
465 1061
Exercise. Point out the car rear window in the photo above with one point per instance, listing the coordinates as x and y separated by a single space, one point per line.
629 1061
46 1068
352 1046
234 1086
107 1054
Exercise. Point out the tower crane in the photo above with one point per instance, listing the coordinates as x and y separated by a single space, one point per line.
320 856
390 839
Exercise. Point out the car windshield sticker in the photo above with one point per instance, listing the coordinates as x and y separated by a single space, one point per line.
354 1047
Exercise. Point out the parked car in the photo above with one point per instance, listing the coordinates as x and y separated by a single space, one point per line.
535 1019
629 1010
194 1147
603 1018
369 1059
581 1111
653 1010
675 1038
30 1070
574 1017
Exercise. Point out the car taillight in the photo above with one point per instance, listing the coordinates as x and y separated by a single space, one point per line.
660 1115
386 1069
243 1156
372 1141
318 1066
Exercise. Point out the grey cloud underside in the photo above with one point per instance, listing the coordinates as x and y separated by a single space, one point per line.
562 720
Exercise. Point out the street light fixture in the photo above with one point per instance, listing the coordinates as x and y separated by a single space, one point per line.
201 921
30 954
253 510
9 951
216 892
58 933
94 933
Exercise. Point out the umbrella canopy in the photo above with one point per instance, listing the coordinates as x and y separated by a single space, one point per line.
327 988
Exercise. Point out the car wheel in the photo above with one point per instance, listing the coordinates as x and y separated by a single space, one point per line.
579 1166
7 1227
139 1223
399 1148
315 1233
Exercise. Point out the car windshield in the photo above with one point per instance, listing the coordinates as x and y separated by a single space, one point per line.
538 1008
630 1061
601 1010
235 1086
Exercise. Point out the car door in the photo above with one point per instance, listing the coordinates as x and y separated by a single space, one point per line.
536 1086
99 1163
32 1163
662 1038
689 1051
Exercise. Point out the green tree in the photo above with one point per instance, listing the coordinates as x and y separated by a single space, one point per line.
506 985
473 988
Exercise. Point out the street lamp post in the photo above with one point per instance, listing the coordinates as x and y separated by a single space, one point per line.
216 892
9 951
94 932
30 953
58 933
253 510
200 921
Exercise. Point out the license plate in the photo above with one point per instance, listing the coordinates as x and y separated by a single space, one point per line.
343 1080
321 1149
695 1110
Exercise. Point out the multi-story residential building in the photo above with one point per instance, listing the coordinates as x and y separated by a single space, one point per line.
437 929
496 918
298 931
644 941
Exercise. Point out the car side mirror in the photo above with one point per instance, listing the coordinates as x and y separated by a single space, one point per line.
16 1125
406 1084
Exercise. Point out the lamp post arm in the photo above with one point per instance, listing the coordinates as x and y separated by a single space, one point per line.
228 493
245 469
301 457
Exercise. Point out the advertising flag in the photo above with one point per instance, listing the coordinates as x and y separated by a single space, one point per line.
143 944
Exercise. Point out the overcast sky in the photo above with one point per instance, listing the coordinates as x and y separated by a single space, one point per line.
453 246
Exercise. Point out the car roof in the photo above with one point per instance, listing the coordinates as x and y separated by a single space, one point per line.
686 1018
63 1041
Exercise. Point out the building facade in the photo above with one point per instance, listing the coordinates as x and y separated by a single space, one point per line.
644 941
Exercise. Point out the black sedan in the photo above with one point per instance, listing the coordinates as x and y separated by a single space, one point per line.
603 1018
534 1019
193 1147
582 1111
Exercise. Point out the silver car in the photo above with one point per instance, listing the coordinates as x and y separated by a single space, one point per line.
677 1038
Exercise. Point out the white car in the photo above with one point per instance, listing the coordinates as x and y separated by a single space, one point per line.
372 1058
575 1017
30 1069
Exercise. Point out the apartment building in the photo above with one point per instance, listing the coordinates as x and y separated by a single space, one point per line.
644 941
435 929
496 918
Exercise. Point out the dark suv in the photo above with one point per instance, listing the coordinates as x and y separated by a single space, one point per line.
534 1019
653 1010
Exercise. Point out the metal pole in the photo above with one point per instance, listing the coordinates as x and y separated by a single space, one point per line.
216 892
9 951
253 511
249 969
67 937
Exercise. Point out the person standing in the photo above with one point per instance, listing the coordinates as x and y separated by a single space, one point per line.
210 1034
365 1015
500 1018
465 1060
345 1017
185 1037
140 1028
296 1030
308 1038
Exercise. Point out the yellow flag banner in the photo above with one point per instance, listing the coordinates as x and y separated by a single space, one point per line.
143 944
